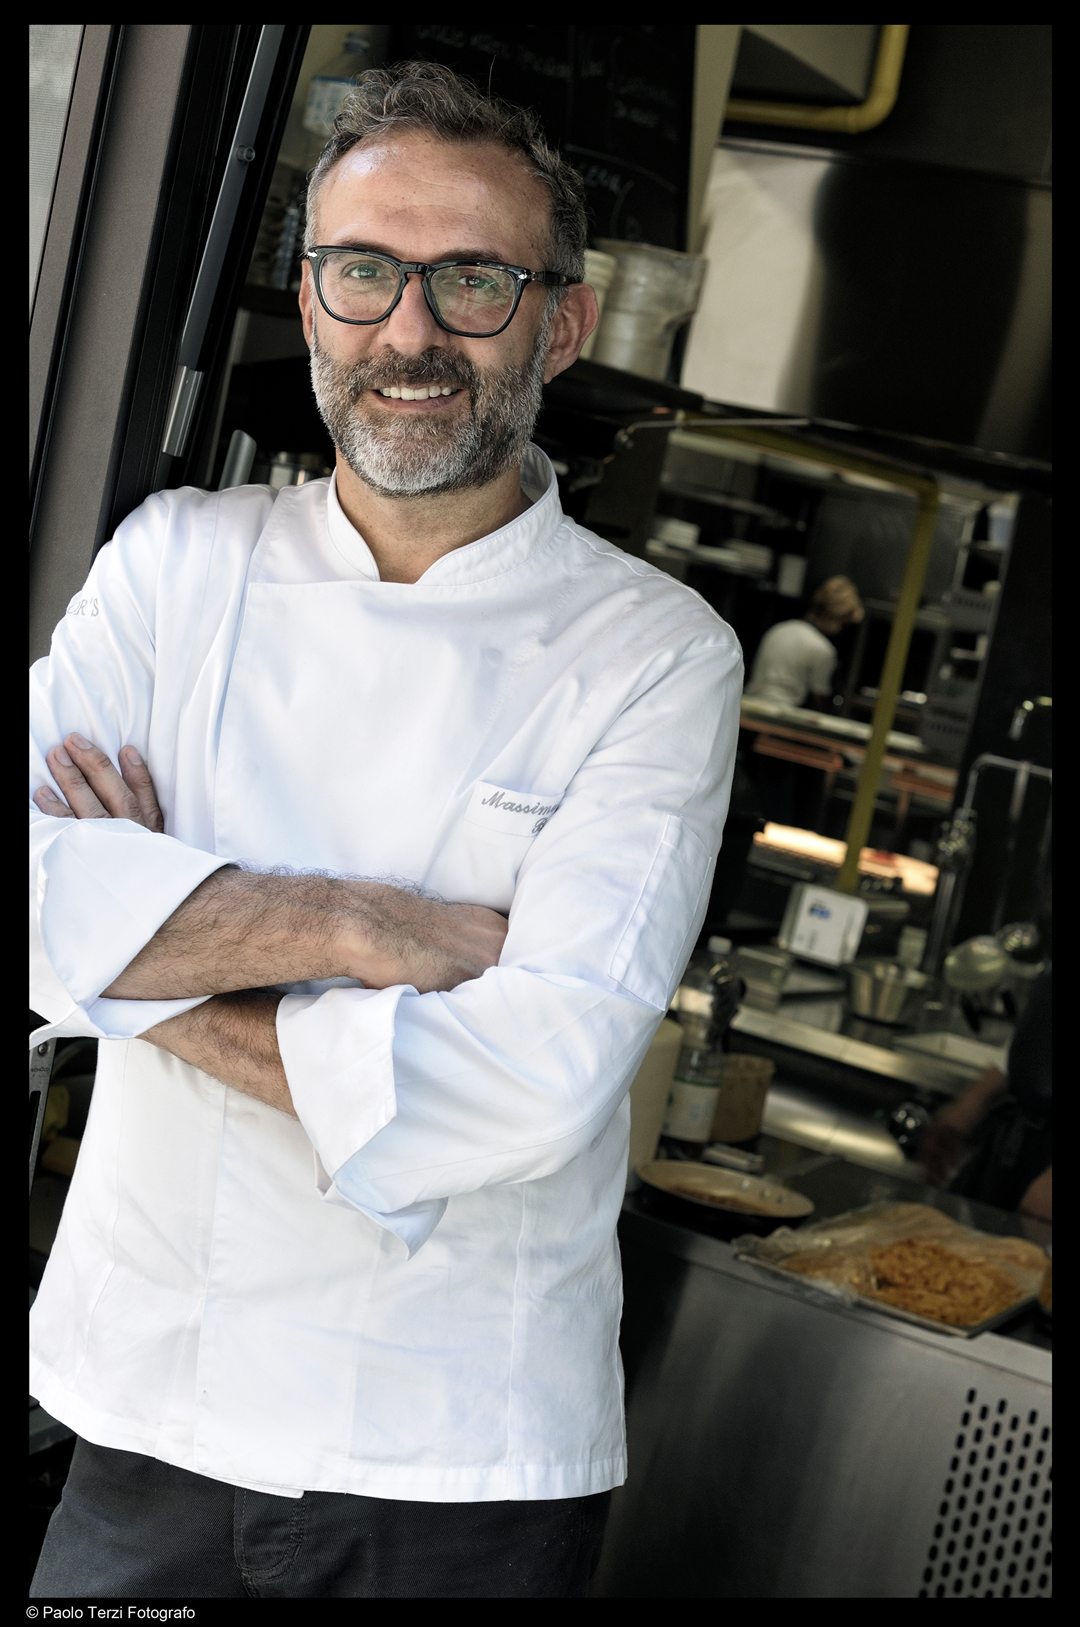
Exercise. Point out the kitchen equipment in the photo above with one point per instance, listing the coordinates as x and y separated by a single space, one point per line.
1019 938
822 925
971 1055
1020 977
740 1102
912 946
956 846
721 1201
976 966
802 981
886 991
953 857
747 1163
599 270
741 558
906 1124
653 292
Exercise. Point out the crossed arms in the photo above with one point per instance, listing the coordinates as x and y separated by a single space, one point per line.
237 935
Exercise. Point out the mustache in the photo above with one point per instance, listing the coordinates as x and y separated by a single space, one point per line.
390 369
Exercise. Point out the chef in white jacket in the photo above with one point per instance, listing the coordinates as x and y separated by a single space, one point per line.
334 1304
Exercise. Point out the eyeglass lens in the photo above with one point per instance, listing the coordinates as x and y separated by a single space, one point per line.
474 299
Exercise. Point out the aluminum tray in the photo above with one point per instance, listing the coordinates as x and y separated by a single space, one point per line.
834 1293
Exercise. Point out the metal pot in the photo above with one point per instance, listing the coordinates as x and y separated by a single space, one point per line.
885 991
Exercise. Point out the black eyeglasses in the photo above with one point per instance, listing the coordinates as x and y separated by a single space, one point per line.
474 298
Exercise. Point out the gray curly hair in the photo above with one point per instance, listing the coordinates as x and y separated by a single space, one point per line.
429 97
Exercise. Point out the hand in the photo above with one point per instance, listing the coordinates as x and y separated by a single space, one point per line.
392 936
95 790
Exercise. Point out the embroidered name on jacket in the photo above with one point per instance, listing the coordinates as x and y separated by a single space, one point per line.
514 813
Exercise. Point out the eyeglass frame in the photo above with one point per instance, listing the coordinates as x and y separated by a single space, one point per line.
404 268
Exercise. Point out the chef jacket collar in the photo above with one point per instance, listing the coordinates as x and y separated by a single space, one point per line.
478 561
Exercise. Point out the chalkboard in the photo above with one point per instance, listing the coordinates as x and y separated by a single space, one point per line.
616 101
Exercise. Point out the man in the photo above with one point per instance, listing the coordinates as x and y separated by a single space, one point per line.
994 1141
795 664
334 1305
796 660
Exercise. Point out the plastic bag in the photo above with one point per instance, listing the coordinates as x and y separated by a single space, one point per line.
908 1258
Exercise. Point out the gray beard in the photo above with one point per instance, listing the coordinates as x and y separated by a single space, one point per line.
426 455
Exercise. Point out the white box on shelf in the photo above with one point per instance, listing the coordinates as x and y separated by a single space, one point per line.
822 925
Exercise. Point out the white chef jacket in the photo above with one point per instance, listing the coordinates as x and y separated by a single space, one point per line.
412 1290
794 660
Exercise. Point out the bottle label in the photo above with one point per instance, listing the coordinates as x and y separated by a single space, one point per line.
690 1111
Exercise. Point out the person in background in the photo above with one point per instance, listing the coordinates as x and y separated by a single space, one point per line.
993 1143
795 660
794 666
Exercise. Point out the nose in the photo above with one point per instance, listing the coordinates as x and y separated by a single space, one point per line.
410 328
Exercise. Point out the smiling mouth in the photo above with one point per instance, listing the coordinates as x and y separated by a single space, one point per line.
420 393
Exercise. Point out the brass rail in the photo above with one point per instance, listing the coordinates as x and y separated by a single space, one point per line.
879 103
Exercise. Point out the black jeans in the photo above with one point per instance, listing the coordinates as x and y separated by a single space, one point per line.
129 1527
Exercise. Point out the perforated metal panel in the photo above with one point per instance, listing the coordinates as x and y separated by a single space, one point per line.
992 1539
784 1445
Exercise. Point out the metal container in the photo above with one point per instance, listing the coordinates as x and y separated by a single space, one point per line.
653 292
886 991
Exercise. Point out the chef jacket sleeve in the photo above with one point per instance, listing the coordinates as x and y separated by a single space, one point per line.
100 888
412 1098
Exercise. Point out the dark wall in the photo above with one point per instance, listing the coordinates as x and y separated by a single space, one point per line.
934 234
1018 667
924 272
616 100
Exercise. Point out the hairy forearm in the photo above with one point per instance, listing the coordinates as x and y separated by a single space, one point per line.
240 930
232 1037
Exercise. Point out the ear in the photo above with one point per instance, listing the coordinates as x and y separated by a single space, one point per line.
306 299
575 319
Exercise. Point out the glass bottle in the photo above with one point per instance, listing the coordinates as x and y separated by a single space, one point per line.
692 1104
708 996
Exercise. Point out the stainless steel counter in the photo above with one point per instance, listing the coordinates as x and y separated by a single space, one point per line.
927 1072
786 1446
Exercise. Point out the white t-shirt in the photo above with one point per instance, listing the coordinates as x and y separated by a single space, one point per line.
412 1290
794 660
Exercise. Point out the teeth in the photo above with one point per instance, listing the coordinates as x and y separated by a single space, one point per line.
422 394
